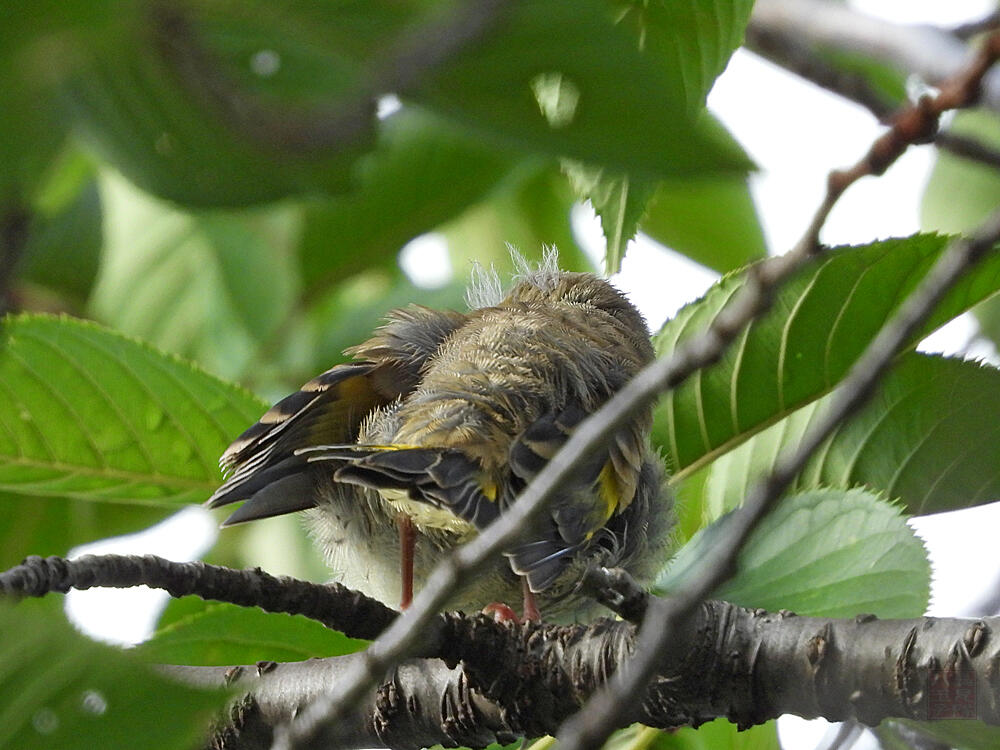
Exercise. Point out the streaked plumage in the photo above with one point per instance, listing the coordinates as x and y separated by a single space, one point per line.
445 417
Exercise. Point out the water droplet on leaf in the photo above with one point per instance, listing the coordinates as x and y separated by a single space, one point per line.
45 721
93 702
265 63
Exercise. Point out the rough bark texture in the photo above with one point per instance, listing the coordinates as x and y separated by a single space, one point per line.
746 665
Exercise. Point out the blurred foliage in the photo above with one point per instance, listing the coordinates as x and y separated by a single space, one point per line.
235 184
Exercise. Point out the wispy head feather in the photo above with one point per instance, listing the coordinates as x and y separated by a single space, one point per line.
486 290
544 276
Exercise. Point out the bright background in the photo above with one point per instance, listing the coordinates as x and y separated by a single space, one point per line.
796 133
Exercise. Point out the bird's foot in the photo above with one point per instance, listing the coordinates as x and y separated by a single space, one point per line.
501 613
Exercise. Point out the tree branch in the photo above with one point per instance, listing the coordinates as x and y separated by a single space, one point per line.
785 46
933 54
746 665
332 604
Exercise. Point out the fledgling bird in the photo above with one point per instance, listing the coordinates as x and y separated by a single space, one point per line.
439 423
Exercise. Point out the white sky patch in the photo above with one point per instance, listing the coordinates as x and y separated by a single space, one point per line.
959 337
387 105
937 12
797 133
128 616
425 261
657 280
966 559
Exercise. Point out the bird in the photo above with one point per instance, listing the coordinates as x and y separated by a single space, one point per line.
437 424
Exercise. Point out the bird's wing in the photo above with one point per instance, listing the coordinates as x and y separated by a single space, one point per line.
264 465
450 479
265 469
442 477
601 486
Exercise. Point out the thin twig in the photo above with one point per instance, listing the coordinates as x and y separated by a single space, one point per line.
931 53
332 604
965 31
805 62
917 123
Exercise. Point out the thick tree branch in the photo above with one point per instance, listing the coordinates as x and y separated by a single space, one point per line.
746 665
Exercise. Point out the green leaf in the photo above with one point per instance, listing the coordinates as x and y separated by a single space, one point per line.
39 42
715 735
912 443
424 172
968 734
620 202
631 114
690 504
223 105
212 286
59 687
823 553
821 321
531 214
88 414
961 193
221 634
32 525
713 222
64 247
693 40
